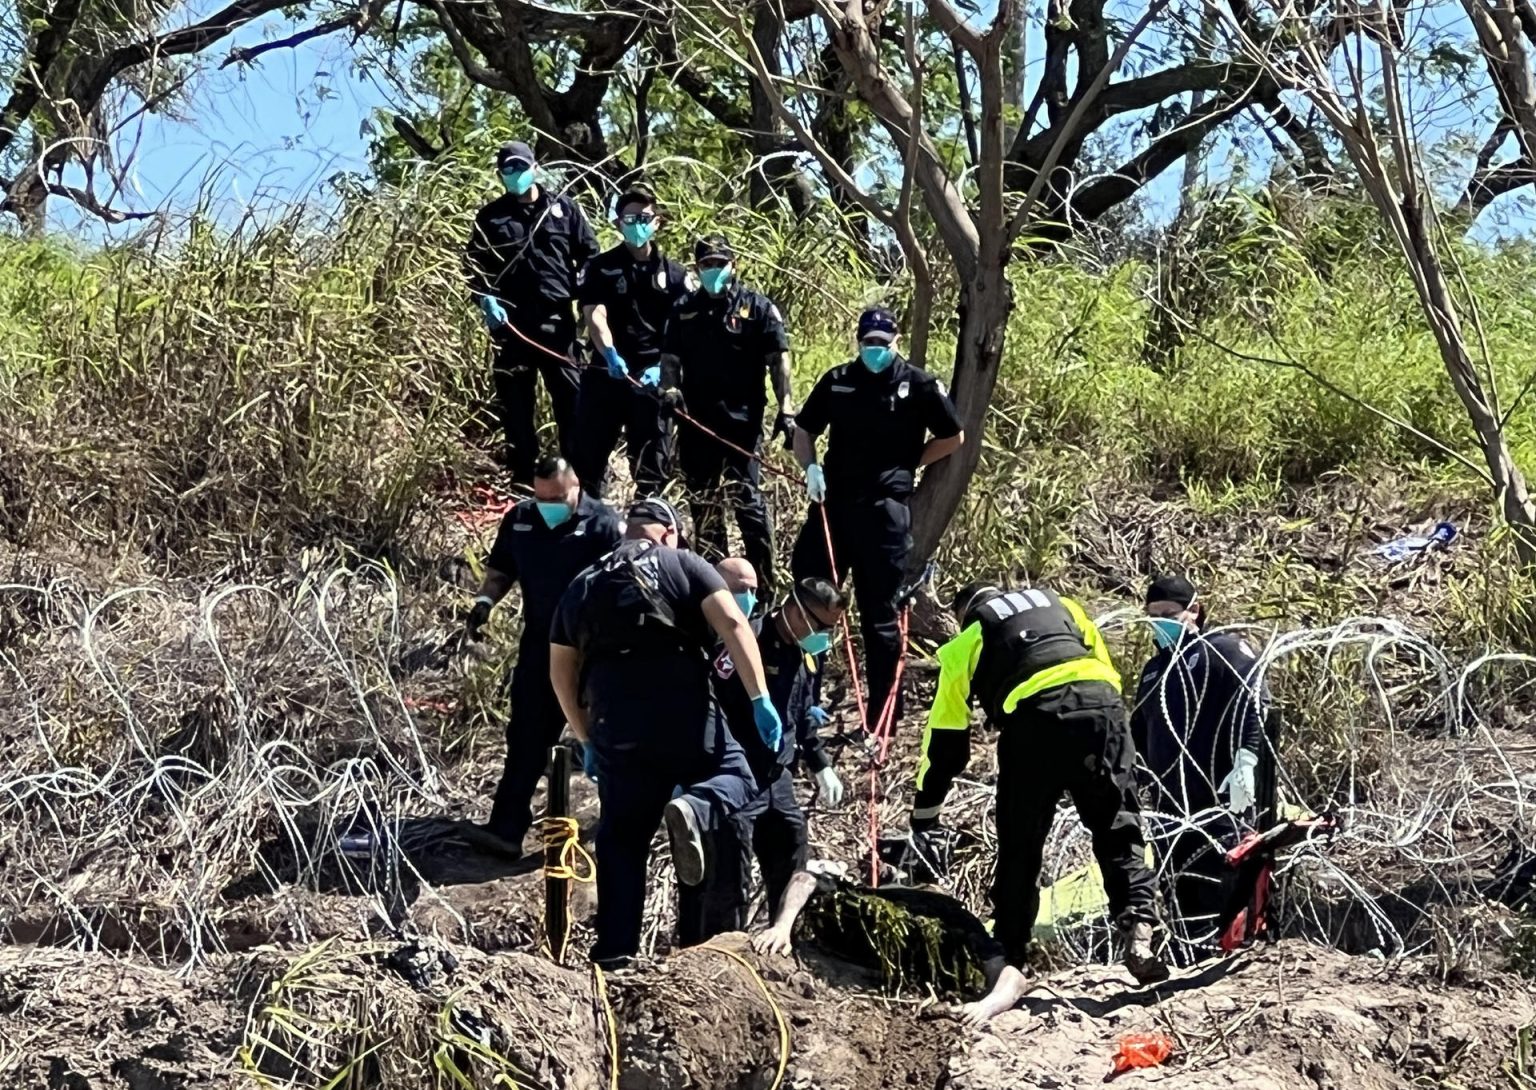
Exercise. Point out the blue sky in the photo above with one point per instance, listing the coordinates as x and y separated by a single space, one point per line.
266 134
260 134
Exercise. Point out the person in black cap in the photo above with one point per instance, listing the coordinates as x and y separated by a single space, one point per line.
522 261
629 661
722 341
543 543
879 412
626 295
1198 721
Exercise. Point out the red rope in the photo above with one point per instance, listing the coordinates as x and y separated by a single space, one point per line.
884 728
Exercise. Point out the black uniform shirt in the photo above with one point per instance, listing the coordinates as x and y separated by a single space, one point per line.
723 345
1197 704
878 425
643 683
544 561
639 295
791 688
528 254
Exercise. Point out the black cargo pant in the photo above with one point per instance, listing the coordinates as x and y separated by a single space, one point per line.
872 539
647 749
608 406
1073 739
718 478
532 728
517 366
770 827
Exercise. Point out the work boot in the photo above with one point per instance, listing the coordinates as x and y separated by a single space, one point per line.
489 840
687 841
1145 965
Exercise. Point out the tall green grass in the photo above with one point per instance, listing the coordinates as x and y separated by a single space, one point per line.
205 391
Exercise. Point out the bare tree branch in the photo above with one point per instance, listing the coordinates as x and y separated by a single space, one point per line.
248 54
415 139
86 200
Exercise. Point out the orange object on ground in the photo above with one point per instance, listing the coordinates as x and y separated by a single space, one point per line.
1141 1050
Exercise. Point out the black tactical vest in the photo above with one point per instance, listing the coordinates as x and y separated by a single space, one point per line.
1022 633
625 611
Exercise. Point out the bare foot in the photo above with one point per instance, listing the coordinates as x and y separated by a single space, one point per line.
1004 996
774 940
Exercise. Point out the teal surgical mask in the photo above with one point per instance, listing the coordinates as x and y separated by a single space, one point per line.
553 513
817 643
715 279
747 600
1166 631
877 357
637 234
517 182
812 643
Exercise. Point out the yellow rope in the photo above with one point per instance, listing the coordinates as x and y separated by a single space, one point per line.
613 1028
778 1012
564 835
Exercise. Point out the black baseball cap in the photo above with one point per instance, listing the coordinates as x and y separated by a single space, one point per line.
1171 588
877 324
514 151
657 510
713 246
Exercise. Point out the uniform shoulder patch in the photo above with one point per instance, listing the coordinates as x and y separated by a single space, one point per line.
690 281
1247 648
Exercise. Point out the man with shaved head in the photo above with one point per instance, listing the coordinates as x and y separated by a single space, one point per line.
772 825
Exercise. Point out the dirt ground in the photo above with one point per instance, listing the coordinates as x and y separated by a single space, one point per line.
1284 1017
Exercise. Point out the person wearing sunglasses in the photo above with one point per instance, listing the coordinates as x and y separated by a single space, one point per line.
627 293
725 344
522 261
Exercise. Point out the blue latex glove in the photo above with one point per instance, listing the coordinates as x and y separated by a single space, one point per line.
651 376
769 727
818 716
589 761
495 314
616 365
815 483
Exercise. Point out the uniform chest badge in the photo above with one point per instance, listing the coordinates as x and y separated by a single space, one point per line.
556 211
745 311
661 278
904 389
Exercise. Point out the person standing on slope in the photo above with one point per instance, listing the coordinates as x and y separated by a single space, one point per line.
522 261
878 412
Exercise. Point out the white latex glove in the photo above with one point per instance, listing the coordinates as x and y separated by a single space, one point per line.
1240 782
815 483
830 787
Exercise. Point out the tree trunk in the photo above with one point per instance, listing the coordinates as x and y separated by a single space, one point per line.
985 304
1509 483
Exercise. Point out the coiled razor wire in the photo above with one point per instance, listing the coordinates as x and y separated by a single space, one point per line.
1382 729
156 748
